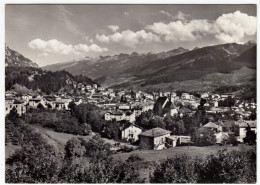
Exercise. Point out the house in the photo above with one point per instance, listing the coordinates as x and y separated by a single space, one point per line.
221 136
130 116
185 96
154 139
34 102
117 115
95 86
59 105
19 106
204 95
240 128
175 140
130 132
227 126
124 107
211 126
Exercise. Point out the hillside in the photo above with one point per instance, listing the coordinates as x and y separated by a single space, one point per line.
35 79
13 58
248 58
44 81
206 67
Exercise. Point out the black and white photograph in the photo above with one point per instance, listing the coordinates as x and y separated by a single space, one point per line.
130 93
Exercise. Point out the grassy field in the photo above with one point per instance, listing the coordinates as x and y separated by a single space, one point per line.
193 151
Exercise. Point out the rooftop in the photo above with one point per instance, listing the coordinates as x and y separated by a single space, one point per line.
155 132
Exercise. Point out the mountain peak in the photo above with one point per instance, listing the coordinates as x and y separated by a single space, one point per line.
13 58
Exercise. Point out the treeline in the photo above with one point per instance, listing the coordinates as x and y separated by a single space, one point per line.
35 78
247 92
57 120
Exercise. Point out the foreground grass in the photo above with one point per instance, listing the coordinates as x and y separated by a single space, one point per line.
192 151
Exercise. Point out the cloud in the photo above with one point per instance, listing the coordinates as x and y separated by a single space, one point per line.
232 27
58 47
181 31
166 13
180 15
113 28
126 13
65 18
44 54
129 38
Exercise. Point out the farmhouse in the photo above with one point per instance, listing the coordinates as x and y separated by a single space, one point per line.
154 139
130 132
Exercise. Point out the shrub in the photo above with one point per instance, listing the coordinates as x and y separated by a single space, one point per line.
181 169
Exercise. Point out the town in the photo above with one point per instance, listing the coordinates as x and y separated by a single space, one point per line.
236 117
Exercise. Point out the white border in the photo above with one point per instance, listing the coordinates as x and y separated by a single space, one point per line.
2 48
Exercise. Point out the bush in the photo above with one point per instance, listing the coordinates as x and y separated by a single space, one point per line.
229 167
134 158
181 169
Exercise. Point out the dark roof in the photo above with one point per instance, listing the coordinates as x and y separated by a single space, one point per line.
128 113
155 132
245 124
116 113
227 123
161 100
184 110
128 124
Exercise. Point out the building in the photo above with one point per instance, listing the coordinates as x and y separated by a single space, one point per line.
130 116
221 136
240 128
164 106
211 126
154 139
19 106
204 95
131 132
34 102
185 96
175 140
117 115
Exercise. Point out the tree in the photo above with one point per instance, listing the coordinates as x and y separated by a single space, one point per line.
96 148
181 169
13 115
232 140
111 171
111 130
49 106
250 136
72 106
207 137
134 158
40 106
229 167
74 149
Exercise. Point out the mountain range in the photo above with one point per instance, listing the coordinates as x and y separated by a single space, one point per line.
198 69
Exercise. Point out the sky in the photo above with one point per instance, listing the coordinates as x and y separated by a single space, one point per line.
49 34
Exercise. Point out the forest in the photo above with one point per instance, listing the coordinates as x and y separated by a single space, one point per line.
37 79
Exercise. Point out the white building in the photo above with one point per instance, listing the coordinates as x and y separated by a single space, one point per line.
131 132
185 96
